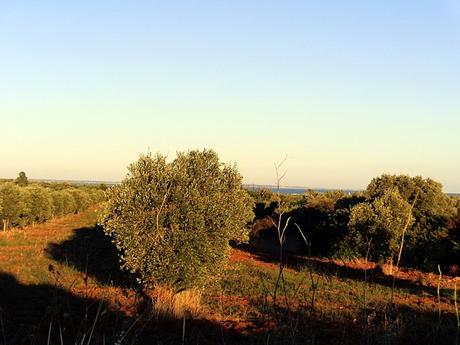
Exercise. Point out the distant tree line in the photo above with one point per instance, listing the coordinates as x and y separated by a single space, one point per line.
23 203
396 218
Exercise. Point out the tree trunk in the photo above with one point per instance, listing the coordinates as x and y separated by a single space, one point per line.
409 218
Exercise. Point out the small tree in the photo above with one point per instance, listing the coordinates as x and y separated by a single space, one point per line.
81 198
433 212
68 202
173 221
381 223
22 179
13 205
39 204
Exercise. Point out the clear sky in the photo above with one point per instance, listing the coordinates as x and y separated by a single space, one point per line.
347 89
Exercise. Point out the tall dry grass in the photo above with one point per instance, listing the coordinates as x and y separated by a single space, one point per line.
168 304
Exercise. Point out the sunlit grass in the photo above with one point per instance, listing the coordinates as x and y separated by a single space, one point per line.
244 296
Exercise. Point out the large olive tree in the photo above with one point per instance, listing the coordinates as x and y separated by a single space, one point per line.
172 221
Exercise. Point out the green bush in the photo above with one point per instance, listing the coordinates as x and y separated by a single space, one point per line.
173 221
433 213
451 242
381 216
324 218
377 226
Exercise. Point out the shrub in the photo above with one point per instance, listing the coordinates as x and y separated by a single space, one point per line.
433 213
173 221
324 218
379 224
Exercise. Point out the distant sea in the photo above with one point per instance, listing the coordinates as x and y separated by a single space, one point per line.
255 187
292 190
302 190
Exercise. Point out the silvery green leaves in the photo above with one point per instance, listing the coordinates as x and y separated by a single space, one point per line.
173 220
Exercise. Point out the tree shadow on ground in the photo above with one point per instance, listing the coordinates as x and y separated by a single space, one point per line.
91 252
30 312
48 314
384 324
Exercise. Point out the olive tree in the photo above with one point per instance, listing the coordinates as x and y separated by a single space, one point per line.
454 237
13 206
172 221
433 212
380 224
68 201
39 204
58 203
22 179
81 198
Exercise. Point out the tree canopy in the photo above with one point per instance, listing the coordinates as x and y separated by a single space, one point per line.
39 202
22 179
173 221
433 211
378 225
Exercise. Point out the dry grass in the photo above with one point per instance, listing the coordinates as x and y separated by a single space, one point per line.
387 269
167 303
240 304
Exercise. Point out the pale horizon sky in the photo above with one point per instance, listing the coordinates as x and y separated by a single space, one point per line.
347 90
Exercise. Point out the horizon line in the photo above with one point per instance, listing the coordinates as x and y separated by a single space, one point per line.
81 181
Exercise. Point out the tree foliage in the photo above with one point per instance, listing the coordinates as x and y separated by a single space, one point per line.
37 203
378 225
173 221
339 224
433 211
22 179
13 205
323 217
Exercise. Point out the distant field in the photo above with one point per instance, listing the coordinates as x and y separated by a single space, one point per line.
61 279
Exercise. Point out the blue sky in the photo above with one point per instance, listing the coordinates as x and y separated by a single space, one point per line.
347 90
